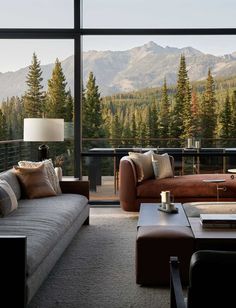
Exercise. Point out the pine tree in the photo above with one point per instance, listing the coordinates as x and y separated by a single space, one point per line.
69 108
187 114
126 133
233 117
92 111
225 120
13 112
3 126
208 114
164 112
116 130
34 97
57 95
142 129
180 124
195 111
133 127
152 123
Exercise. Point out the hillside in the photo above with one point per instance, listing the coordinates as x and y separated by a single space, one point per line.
124 71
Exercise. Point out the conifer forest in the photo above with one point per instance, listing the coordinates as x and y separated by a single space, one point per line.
162 116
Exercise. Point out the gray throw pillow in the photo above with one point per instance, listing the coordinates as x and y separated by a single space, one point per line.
8 201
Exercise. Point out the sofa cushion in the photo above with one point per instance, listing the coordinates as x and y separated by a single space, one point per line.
49 170
35 182
44 222
8 201
187 186
143 164
12 180
162 166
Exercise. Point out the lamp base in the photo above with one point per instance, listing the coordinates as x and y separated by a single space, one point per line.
43 152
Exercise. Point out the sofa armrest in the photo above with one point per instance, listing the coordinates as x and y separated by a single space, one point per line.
127 184
13 271
75 186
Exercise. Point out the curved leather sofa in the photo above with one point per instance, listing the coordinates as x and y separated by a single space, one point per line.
184 188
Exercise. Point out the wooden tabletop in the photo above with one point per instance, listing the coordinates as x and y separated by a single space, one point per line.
149 215
210 233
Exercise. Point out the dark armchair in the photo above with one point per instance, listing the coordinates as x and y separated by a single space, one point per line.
211 281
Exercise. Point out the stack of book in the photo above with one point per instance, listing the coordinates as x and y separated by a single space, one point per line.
218 220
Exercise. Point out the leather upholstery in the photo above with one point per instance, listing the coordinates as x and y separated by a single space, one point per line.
211 279
185 188
155 245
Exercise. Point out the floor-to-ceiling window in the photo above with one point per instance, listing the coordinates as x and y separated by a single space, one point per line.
120 55
134 51
37 76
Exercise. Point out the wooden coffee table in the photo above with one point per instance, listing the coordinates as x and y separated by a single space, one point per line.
149 215
161 235
212 238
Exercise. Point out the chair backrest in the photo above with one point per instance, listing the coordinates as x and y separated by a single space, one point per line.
211 279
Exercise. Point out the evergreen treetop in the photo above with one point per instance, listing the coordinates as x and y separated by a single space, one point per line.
34 97
57 95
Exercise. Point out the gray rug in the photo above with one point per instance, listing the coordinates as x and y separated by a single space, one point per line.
98 268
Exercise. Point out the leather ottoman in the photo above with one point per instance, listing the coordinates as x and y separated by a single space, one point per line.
155 245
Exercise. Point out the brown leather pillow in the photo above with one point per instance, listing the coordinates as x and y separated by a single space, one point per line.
34 182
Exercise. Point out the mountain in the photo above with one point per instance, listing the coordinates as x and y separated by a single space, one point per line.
136 68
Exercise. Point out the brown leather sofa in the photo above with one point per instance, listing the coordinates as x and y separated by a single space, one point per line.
184 188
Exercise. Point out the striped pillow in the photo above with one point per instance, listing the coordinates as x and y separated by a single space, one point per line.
8 201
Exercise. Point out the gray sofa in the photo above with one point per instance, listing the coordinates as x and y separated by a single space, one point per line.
34 236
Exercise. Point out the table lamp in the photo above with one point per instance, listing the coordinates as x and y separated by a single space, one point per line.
43 130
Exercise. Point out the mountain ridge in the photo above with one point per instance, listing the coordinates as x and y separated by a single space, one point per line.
129 70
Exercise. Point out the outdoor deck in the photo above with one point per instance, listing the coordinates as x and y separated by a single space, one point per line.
105 192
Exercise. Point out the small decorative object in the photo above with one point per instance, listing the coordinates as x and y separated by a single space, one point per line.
165 197
189 143
197 144
170 207
58 162
166 205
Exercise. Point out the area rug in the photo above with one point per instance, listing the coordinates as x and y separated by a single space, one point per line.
98 268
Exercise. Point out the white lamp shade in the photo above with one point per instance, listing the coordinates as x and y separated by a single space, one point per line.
43 129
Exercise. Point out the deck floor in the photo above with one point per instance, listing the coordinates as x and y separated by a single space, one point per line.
106 191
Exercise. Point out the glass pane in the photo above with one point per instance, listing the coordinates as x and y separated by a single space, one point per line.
36 14
130 63
158 14
137 111
27 65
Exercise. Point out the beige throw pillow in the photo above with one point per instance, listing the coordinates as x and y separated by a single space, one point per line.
143 163
162 166
34 182
49 170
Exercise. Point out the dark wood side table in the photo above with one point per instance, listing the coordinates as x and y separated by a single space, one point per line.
73 185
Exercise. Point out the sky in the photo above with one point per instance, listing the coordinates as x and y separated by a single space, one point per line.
16 54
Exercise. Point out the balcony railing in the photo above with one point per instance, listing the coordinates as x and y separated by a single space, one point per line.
100 158
12 151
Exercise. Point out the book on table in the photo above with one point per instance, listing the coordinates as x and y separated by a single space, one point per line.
218 220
